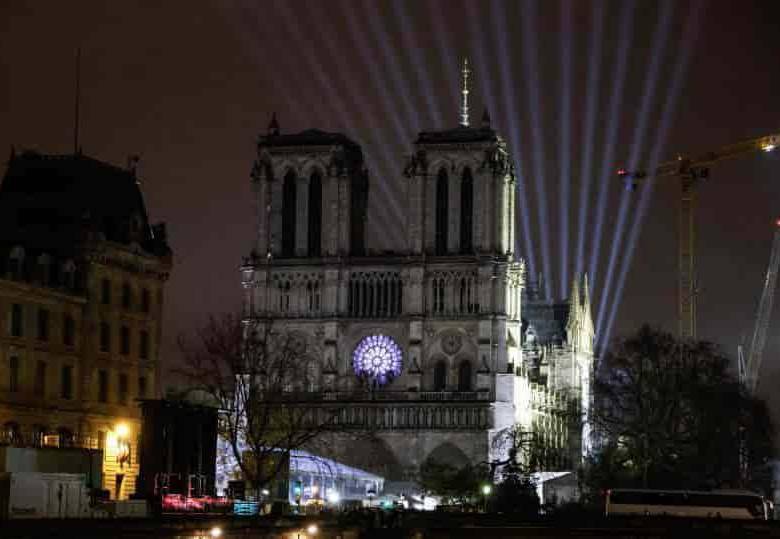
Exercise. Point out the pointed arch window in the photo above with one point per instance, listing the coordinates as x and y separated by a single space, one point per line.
467 212
442 212
315 215
440 375
464 376
289 210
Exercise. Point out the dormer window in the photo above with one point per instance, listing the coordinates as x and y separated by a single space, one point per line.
69 275
16 262
44 269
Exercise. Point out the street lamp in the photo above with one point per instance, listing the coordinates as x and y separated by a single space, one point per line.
486 490
216 531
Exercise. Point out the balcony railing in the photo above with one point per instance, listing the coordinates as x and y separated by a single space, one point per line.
429 396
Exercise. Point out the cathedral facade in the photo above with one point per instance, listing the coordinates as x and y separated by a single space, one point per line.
437 348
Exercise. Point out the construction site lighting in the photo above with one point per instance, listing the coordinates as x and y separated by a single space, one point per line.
768 147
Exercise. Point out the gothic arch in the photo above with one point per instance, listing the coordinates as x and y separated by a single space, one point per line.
442 212
439 373
448 454
289 212
465 373
314 224
466 211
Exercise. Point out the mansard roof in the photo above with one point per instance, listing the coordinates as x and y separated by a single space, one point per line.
52 203
309 137
458 135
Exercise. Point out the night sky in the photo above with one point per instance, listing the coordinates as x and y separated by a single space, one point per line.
188 86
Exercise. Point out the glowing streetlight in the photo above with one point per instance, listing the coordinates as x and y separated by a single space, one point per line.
333 496
768 147
216 531
486 490
312 529
122 430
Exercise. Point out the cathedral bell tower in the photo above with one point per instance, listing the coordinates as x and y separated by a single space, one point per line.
311 190
461 190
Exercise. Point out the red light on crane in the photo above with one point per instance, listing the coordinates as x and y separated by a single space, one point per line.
777 223
622 172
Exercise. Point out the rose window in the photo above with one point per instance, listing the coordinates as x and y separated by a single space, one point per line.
378 358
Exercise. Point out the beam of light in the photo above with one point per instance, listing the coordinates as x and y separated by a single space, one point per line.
393 67
605 178
588 134
480 71
382 163
445 52
660 39
246 28
363 48
410 46
688 40
532 76
564 127
523 220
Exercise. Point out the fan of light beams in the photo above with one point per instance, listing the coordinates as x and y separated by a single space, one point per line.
378 358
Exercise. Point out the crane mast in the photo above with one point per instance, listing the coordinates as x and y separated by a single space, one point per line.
689 173
764 315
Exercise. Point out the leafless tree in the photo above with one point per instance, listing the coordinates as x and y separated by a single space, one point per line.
264 383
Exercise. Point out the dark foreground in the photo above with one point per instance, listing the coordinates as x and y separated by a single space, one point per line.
428 526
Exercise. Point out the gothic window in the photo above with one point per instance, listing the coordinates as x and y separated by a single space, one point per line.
315 215
440 375
313 295
466 212
284 296
464 376
442 212
289 211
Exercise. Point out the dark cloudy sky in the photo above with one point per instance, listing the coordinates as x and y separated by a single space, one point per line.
189 86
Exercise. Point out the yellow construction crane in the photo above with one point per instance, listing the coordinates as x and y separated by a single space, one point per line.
689 172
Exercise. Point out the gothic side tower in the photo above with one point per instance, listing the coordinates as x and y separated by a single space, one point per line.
311 190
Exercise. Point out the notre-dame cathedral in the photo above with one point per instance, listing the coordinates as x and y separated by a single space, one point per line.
438 347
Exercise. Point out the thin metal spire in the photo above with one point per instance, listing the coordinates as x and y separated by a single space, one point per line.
76 148
464 108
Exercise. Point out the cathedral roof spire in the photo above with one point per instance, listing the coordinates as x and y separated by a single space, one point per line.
464 107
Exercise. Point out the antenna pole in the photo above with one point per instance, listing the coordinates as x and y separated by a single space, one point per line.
76 149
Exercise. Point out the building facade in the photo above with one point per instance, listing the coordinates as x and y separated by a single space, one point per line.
82 274
430 348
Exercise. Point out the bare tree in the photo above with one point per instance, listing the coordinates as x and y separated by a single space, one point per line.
670 413
264 383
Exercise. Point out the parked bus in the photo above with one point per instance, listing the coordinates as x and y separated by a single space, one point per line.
686 503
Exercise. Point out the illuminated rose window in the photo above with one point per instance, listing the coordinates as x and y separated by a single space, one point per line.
378 358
